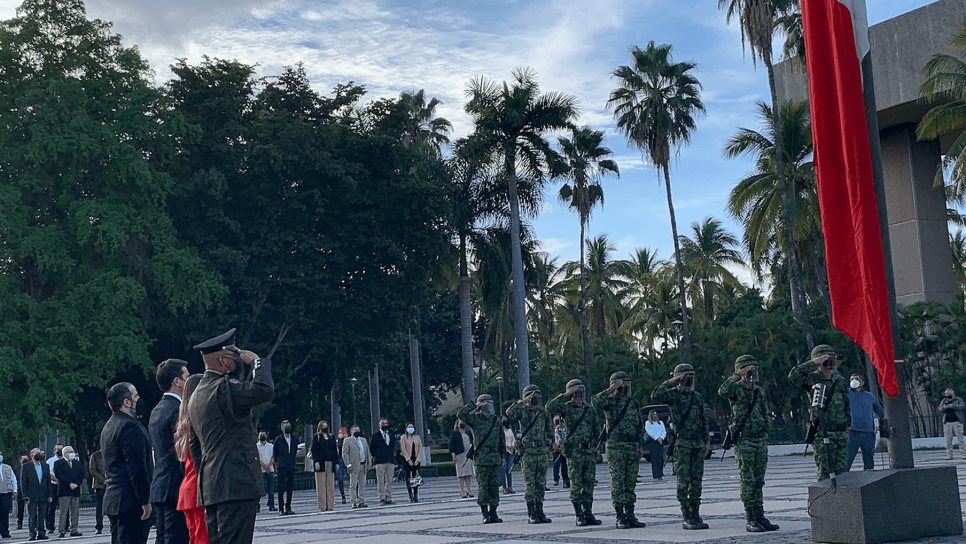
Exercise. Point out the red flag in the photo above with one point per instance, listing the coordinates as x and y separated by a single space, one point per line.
836 41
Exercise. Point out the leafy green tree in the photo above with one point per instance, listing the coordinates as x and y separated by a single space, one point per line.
604 279
706 257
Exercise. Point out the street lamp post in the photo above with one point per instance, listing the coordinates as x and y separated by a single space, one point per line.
499 386
354 380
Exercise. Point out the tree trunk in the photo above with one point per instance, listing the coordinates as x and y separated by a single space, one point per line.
679 266
794 279
466 326
518 292
584 327
708 301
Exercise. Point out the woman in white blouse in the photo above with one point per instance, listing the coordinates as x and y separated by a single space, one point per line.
656 437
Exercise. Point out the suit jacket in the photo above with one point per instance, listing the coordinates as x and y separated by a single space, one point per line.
126 449
222 438
30 487
351 456
383 453
69 472
284 455
168 471
324 451
98 474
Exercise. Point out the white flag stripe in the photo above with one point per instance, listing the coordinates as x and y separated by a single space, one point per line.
860 26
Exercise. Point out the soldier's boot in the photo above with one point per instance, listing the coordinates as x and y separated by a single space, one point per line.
532 514
493 517
589 515
632 519
486 513
543 517
579 515
622 522
697 516
753 526
763 521
687 519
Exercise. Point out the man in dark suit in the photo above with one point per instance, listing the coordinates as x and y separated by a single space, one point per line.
222 439
168 471
383 445
126 449
34 481
70 476
284 449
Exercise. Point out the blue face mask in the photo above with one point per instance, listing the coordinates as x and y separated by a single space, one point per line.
1 457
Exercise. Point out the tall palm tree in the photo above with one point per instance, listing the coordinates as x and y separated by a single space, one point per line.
653 307
587 161
605 279
945 83
423 126
706 256
758 21
655 106
958 243
546 295
511 121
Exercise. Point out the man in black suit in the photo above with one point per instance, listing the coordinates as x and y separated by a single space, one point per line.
222 438
285 448
383 445
168 471
34 481
126 449
70 476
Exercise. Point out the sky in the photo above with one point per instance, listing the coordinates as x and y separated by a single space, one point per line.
438 45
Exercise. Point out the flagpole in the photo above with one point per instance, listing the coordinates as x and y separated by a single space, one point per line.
896 408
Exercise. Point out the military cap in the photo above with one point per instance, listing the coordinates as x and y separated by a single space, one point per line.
484 398
530 389
745 360
574 384
822 350
217 343
683 368
619 375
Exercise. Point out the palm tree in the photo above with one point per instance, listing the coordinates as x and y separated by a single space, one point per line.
587 162
546 295
653 306
510 121
423 127
605 280
655 107
705 257
958 243
945 82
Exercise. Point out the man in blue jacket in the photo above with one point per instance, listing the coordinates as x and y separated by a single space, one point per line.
865 407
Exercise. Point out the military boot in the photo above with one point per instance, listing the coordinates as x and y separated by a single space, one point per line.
753 526
589 515
579 515
632 519
688 522
538 509
532 514
486 513
697 516
763 521
493 517
622 522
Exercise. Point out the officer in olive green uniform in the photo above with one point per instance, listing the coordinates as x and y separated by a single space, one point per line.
536 432
489 445
624 441
691 441
835 417
222 439
749 424
583 426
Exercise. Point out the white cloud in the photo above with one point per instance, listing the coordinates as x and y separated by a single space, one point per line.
559 247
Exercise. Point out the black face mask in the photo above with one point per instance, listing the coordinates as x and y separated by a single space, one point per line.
384 427
535 400
506 424
462 426
38 457
949 396
287 429
357 434
579 394
688 381
325 428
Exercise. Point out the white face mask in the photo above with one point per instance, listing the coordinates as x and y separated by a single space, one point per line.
855 384
71 456
410 429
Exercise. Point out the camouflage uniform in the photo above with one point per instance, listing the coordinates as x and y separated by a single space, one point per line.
835 419
488 456
624 442
583 428
535 447
690 444
751 448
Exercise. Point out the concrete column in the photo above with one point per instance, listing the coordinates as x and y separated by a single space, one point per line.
921 255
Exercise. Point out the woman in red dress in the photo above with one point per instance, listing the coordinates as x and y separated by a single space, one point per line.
194 515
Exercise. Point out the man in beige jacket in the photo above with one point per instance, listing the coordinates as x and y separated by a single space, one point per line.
355 452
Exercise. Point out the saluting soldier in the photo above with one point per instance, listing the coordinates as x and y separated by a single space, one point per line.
749 426
833 416
624 441
489 445
578 447
222 439
691 440
534 444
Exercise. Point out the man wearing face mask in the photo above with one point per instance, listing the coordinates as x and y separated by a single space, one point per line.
34 479
222 437
829 412
865 408
953 411
266 459
8 493
536 432
624 439
70 475
749 426
691 440
285 448
488 448
383 447
170 526
127 459
578 447
355 452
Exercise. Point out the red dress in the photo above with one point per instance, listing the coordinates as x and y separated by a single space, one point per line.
194 515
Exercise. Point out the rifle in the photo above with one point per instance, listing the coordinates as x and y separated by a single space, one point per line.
731 437
810 434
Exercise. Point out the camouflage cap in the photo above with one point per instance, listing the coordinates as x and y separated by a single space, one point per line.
745 360
530 389
619 375
683 368
574 384
484 398
822 350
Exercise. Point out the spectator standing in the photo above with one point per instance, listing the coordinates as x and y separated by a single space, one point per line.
70 478
194 513
284 450
411 451
559 460
34 483
21 507
325 459
341 472
8 490
655 436
383 447
53 489
266 458
460 442
355 452
127 460
168 471
865 408
98 477
511 443
953 411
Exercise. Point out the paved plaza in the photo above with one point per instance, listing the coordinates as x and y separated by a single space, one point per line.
442 518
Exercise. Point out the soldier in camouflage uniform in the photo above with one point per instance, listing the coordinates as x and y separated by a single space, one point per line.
489 445
624 441
751 446
535 430
583 427
835 418
691 441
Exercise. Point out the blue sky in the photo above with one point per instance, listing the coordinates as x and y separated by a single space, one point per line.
393 46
